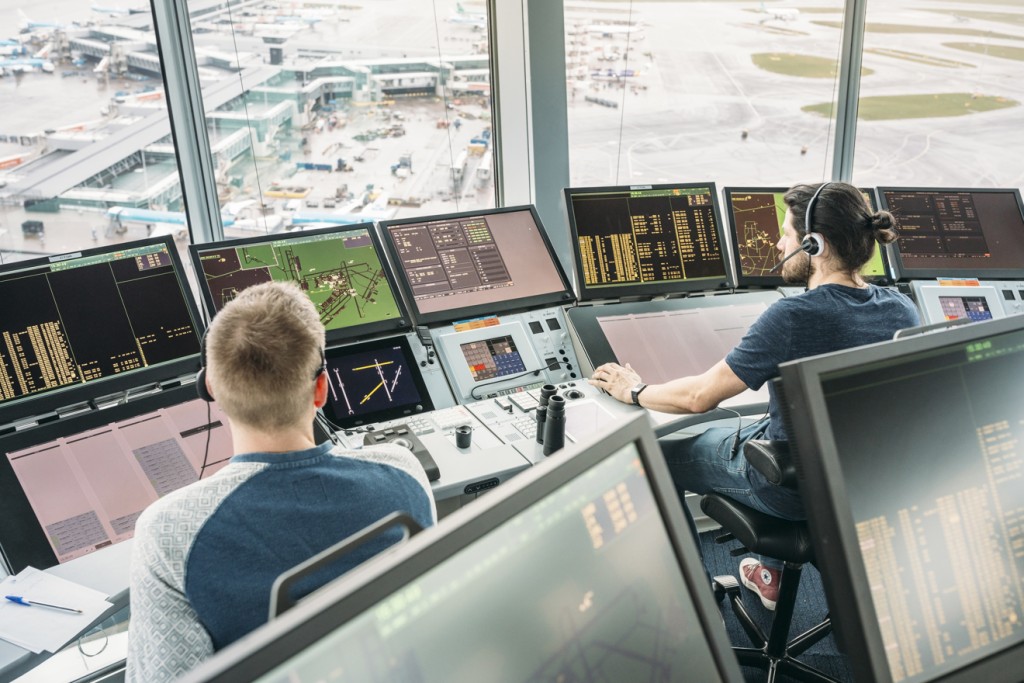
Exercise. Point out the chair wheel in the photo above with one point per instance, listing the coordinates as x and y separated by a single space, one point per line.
724 585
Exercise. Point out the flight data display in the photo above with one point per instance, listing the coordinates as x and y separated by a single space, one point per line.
591 611
757 218
632 237
974 307
489 259
939 527
373 381
490 358
79 318
341 273
961 230
88 489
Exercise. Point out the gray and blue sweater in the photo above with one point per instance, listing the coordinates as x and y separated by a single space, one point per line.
206 555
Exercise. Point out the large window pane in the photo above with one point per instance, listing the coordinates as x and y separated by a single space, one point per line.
943 104
336 112
735 92
85 151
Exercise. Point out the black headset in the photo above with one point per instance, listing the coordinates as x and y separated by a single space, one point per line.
813 243
204 392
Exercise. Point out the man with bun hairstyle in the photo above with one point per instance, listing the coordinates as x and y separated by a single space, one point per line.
838 311
206 555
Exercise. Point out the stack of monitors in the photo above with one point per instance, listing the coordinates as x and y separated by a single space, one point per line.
918 520
75 486
645 240
342 270
756 217
114 318
462 265
553 555
957 232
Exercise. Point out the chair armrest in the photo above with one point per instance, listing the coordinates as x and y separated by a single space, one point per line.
773 460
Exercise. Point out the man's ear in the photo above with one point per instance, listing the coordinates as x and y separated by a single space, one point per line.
320 390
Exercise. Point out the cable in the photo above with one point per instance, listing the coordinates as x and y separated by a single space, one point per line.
622 111
248 123
457 191
209 428
832 110
555 364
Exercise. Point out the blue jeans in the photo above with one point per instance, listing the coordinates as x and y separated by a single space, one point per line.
710 462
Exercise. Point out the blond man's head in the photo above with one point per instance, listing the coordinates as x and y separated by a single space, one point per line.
262 353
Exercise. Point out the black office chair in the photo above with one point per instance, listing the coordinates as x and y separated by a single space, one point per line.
784 540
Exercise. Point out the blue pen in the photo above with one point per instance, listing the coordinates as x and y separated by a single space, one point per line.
22 601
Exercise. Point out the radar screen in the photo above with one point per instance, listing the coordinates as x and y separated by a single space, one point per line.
757 216
373 381
340 270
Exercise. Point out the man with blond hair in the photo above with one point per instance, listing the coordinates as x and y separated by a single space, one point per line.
205 556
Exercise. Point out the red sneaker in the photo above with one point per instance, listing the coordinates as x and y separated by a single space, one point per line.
761 580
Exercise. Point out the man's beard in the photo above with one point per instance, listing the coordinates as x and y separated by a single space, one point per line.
798 271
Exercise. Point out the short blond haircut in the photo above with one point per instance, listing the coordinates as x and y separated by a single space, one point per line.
262 351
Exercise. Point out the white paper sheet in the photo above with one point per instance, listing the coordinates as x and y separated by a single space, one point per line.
39 628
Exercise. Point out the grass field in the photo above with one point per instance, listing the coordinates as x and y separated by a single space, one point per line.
1012 18
1003 51
803 66
911 28
921 59
890 107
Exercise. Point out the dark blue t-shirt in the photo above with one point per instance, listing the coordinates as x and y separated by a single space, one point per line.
825 319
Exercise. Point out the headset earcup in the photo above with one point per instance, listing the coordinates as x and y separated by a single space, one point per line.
813 244
201 389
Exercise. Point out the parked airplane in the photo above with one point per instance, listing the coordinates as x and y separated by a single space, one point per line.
26 25
118 11
780 13
478 20
22 65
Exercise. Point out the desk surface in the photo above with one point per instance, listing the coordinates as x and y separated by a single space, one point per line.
105 571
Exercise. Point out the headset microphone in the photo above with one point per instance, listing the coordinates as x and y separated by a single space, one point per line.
788 256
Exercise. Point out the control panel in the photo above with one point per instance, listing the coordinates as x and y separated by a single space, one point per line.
1011 293
481 444
503 355
939 302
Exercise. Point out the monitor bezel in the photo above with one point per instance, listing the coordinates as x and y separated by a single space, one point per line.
22 539
592 293
426 403
363 587
771 281
337 336
564 297
904 273
46 404
823 490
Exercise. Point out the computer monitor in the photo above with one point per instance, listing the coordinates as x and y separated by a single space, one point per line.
77 485
474 263
756 215
644 240
910 457
113 317
581 568
956 232
342 271
374 381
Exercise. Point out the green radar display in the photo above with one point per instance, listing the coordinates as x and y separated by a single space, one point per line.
340 271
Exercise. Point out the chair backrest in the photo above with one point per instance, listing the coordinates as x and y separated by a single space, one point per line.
280 596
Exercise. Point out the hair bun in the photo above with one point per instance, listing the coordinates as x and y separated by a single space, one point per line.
882 226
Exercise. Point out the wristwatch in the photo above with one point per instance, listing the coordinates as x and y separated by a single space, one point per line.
634 393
